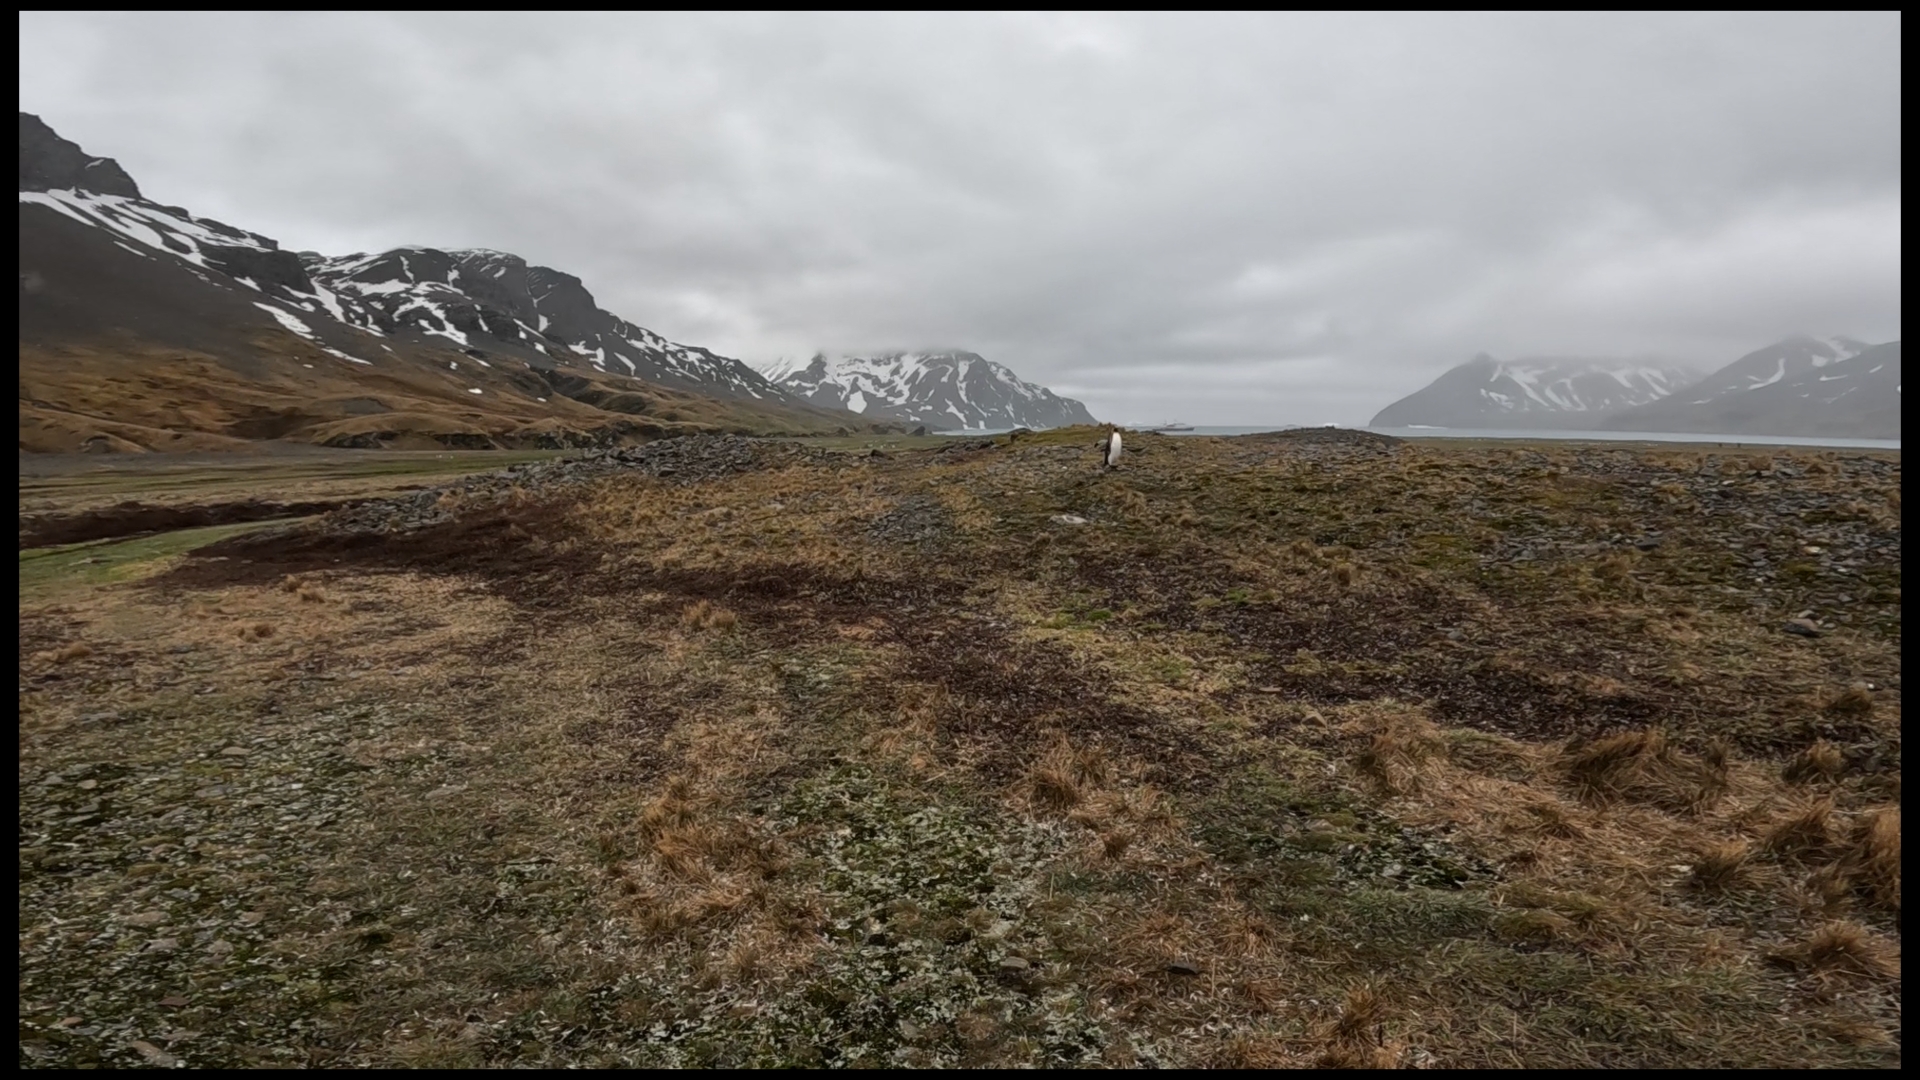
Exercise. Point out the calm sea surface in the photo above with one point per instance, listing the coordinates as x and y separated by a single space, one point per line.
1571 436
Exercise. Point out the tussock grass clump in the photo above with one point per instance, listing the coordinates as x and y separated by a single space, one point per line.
672 808
1842 948
311 594
1361 1015
1821 761
1556 822
1533 927
1053 788
1585 911
73 650
1343 574
259 631
1721 867
1642 766
1804 834
1828 889
1065 775
706 615
1873 855
1615 567
1357 1037
1396 751
1854 701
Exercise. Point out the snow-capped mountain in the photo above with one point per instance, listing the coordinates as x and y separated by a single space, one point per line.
474 300
1803 386
479 299
942 390
1543 392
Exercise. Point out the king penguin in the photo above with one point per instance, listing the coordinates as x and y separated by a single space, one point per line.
1111 457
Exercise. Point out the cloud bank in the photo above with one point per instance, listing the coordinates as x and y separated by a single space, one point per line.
1223 219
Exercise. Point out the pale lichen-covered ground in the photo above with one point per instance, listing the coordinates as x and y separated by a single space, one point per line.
1288 750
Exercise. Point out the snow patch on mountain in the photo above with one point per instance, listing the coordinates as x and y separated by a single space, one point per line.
1567 392
474 299
946 390
1803 386
1792 358
475 295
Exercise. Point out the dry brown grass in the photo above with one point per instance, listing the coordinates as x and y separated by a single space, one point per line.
1721 867
1643 766
1616 567
1536 926
1554 821
257 631
701 783
706 615
673 808
1357 1037
1053 788
65 654
1843 948
1873 855
1854 701
1066 775
1805 834
1400 743
1820 761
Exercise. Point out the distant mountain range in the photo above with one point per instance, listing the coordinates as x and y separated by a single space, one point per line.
1801 386
1541 392
1834 388
145 327
943 391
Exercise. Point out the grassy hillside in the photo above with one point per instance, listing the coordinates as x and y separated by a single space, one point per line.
129 397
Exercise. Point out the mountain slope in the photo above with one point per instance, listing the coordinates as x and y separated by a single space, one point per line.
1540 392
476 297
1808 387
944 390
143 326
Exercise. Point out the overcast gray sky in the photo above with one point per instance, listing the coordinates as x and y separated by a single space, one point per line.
1222 219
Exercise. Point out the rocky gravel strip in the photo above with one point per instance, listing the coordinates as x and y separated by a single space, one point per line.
154 895
690 460
1775 527
918 520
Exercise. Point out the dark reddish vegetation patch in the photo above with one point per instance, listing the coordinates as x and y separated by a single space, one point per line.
1007 698
496 543
1389 640
134 518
